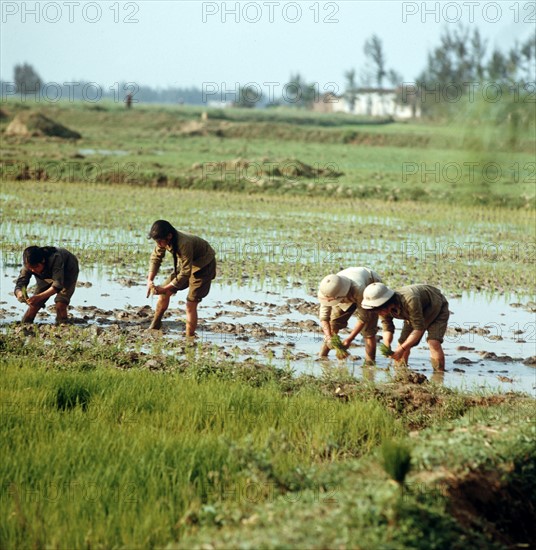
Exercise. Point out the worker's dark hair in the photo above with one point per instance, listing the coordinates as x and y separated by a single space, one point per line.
160 230
34 255
389 302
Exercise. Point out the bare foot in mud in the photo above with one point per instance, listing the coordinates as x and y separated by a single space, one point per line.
155 325
63 321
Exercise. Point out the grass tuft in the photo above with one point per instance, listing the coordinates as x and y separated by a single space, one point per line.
396 460
71 394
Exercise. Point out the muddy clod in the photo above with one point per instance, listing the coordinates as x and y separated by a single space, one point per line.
463 361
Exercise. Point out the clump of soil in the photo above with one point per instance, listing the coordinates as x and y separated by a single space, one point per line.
289 169
38 125
496 502
201 128
27 172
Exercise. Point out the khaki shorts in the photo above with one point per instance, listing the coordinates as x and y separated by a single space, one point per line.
199 283
339 320
63 296
436 329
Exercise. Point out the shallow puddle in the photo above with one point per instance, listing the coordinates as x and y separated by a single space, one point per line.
487 341
103 152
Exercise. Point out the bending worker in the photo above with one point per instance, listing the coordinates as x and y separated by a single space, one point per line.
340 295
422 307
56 273
194 267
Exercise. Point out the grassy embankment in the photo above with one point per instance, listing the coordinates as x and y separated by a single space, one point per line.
231 455
468 161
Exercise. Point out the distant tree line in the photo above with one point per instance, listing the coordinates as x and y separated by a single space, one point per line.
462 66
27 82
459 66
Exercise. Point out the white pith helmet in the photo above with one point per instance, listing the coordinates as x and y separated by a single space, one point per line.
375 295
333 289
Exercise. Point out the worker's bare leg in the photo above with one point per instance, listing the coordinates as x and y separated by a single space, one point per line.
437 356
30 314
370 350
191 318
61 312
161 308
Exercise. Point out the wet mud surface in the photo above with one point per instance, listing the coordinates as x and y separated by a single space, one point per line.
490 343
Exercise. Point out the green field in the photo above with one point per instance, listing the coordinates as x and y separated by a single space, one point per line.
470 161
279 239
229 455
207 451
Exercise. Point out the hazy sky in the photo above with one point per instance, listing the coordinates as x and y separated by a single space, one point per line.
178 43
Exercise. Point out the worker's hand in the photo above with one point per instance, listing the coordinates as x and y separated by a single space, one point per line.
346 342
327 341
34 300
161 290
150 288
398 354
20 297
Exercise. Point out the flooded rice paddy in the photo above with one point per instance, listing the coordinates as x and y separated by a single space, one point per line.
490 343
271 254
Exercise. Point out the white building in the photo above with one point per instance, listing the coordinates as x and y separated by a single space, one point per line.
213 104
380 102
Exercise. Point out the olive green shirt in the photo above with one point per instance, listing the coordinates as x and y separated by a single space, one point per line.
194 253
61 271
419 305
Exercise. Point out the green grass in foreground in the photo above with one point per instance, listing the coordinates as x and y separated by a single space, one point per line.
107 458
240 456
472 485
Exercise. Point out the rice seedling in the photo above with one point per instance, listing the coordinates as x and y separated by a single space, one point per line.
24 292
337 345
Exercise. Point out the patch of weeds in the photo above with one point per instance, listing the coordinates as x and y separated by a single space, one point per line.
3 343
396 460
70 394
85 366
425 526
259 467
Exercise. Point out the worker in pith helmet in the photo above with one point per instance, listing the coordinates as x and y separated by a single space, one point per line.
340 295
422 307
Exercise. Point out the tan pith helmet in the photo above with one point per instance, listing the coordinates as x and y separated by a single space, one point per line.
375 295
333 289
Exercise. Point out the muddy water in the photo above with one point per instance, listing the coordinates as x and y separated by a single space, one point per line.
487 341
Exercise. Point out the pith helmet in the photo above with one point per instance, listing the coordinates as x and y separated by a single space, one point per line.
333 289
375 295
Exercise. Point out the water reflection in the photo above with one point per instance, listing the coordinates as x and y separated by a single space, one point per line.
484 346
438 377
